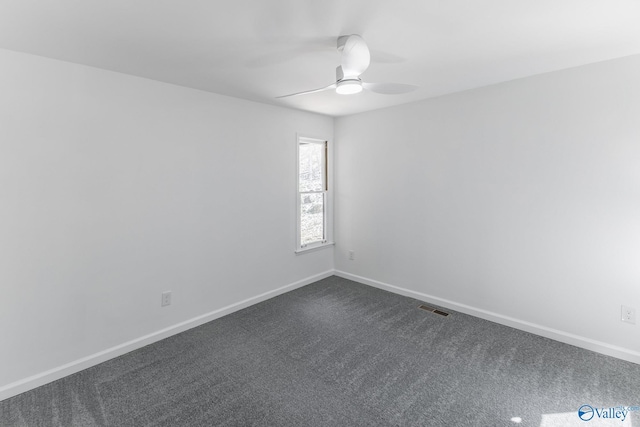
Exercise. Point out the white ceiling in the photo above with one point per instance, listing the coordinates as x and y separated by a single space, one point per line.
260 49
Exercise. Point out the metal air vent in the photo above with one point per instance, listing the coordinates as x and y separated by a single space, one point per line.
433 310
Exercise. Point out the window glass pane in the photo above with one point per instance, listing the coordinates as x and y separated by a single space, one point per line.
311 218
311 167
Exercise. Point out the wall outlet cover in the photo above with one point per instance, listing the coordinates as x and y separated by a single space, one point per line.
166 299
628 315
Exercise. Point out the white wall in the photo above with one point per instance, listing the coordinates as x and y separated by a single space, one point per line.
518 202
115 188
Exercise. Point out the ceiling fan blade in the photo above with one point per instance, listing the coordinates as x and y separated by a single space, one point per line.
276 51
306 92
389 88
355 55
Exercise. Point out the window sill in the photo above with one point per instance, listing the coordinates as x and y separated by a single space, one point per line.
314 248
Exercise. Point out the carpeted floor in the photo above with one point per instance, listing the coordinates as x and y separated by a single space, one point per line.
338 353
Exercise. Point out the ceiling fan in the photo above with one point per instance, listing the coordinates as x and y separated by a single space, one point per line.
354 61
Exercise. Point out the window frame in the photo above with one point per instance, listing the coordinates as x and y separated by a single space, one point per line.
328 196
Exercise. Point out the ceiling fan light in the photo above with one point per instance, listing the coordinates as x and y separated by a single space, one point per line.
349 87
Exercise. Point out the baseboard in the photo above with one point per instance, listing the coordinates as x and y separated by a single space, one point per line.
57 373
554 334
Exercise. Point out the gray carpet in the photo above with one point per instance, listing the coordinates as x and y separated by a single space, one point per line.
338 353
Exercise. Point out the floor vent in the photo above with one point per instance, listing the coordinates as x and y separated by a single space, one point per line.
434 310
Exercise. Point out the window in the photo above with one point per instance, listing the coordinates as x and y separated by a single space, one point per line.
313 194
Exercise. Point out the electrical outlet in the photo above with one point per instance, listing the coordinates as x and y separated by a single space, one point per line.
352 255
628 315
166 299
